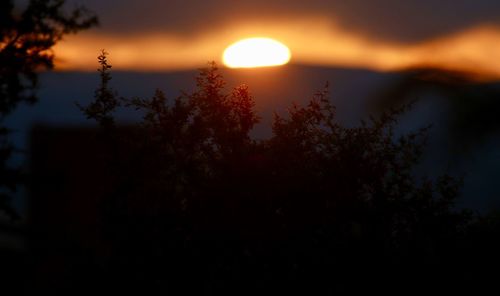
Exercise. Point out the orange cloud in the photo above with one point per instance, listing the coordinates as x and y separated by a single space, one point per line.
314 41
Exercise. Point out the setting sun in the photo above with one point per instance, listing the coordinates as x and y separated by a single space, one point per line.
256 52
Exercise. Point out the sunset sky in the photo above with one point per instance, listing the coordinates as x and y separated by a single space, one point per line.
353 44
381 34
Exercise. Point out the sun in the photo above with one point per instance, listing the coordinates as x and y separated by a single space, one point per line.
256 52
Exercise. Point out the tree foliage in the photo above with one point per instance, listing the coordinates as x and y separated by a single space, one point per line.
26 41
316 206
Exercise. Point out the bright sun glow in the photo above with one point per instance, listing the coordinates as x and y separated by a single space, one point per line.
256 52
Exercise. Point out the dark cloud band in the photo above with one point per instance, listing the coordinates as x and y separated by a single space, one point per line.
394 20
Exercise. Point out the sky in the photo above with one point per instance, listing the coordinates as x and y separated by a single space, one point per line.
348 43
386 35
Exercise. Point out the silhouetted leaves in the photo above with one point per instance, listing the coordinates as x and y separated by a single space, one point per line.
26 41
195 199
106 99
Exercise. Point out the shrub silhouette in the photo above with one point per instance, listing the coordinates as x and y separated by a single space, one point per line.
317 207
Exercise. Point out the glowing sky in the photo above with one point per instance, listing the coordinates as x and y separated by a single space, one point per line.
380 34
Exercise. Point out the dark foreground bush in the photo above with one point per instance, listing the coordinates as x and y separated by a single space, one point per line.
190 203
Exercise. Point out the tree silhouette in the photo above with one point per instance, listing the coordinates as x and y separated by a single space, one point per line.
317 207
26 40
